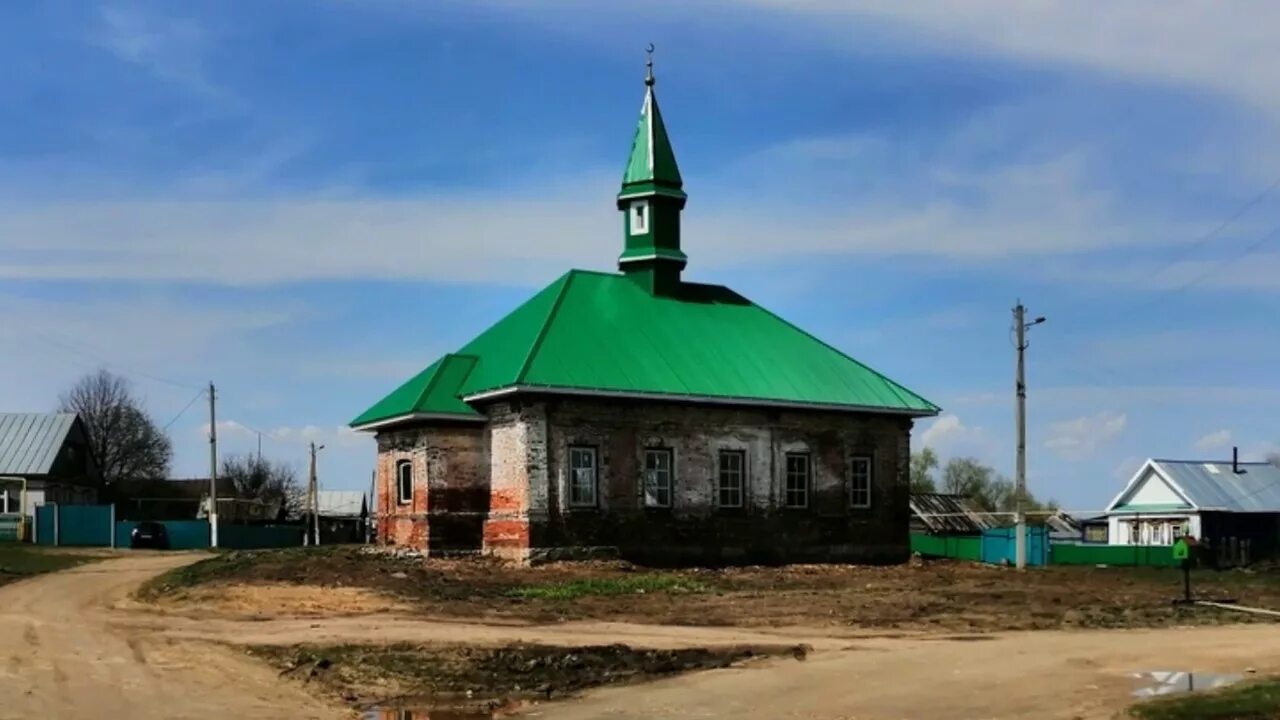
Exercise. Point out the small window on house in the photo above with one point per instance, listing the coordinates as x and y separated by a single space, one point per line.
732 473
860 482
639 217
657 477
796 488
404 481
9 502
582 477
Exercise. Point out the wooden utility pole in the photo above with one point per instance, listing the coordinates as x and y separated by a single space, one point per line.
313 497
213 467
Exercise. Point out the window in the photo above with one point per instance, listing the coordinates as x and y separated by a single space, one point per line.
639 217
9 501
657 477
733 465
582 477
404 481
860 482
797 485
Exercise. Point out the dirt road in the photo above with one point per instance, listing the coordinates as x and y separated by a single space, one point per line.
62 658
82 650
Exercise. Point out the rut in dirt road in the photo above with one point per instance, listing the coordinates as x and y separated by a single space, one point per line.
67 661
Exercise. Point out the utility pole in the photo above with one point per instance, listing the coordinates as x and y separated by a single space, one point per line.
1021 326
313 494
213 467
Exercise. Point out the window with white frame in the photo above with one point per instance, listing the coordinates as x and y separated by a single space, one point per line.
860 481
582 477
404 481
10 501
657 477
639 217
731 478
796 487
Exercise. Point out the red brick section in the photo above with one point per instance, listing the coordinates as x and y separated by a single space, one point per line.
506 531
441 456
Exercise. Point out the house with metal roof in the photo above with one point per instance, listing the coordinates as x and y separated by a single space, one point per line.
45 458
1231 507
639 413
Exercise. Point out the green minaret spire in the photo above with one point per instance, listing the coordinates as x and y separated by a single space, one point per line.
651 200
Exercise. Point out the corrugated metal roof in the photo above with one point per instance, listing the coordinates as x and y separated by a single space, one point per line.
603 333
944 513
29 442
1214 486
339 503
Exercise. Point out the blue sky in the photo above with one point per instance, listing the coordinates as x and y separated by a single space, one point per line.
308 200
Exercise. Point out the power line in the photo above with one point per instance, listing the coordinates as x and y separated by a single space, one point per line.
1204 239
103 362
185 408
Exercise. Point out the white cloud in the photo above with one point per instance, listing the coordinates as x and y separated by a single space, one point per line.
948 436
1080 438
1125 469
1214 440
1025 210
169 48
1229 50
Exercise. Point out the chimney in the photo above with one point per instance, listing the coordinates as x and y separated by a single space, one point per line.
1235 459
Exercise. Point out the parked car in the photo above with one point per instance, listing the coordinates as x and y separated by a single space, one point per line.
149 535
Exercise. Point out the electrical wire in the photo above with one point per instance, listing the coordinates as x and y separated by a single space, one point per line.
185 408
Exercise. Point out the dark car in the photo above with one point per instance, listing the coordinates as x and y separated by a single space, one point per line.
149 535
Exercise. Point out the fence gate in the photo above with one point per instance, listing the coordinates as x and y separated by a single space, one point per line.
999 546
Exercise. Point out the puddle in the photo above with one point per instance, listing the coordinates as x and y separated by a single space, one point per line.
1169 683
427 714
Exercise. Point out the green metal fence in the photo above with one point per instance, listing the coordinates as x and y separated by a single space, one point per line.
10 527
948 546
1121 555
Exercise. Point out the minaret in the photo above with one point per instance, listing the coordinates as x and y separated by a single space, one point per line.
651 201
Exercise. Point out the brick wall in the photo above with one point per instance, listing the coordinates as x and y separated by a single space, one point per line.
450 486
531 515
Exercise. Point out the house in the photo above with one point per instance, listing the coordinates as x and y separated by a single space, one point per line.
946 514
343 516
47 456
640 414
1230 507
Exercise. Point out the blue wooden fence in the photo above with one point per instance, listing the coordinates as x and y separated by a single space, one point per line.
94 526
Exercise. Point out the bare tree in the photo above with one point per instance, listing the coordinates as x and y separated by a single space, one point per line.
255 478
125 442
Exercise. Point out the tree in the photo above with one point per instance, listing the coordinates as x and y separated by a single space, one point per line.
966 476
125 442
923 464
255 478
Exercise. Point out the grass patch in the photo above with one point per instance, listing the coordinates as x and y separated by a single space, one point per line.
236 565
604 587
1252 701
18 561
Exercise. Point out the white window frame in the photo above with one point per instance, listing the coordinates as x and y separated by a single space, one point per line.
861 469
741 480
787 477
658 479
8 496
577 452
639 213
404 471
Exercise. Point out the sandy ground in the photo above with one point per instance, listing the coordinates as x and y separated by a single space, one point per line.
62 658
83 650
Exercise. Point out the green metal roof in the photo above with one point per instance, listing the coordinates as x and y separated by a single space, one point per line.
652 163
601 333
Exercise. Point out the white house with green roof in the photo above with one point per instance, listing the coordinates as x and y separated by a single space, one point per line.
640 414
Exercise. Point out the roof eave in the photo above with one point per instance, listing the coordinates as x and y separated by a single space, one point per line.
411 418
693 398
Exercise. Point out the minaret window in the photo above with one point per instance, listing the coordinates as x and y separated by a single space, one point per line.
639 217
